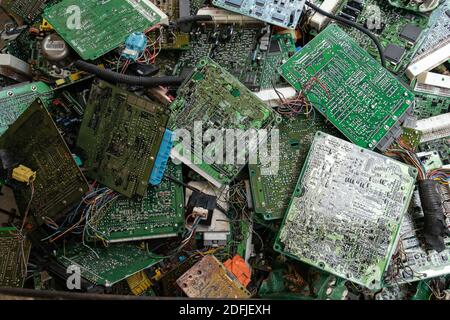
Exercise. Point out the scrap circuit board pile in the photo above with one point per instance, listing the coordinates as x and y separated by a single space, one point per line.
275 149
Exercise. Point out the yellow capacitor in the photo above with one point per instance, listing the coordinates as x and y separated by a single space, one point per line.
23 174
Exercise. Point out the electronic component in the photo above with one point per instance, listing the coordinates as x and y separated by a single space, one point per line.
411 32
319 21
210 279
15 100
139 283
346 210
120 136
14 250
272 191
88 28
24 174
236 49
415 5
394 53
435 226
14 68
335 73
437 32
55 49
221 16
217 231
217 100
162 158
158 214
429 105
285 14
428 60
106 266
386 23
29 10
239 268
134 46
434 128
59 182
413 261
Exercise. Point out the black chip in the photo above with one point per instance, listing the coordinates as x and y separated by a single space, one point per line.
411 33
274 46
394 53
447 13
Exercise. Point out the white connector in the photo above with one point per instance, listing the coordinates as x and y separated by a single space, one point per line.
319 21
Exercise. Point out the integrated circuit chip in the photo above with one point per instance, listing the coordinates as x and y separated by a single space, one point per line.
345 214
411 33
394 53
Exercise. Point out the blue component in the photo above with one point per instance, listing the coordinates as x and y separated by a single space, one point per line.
77 160
298 49
161 159
134 46
181 258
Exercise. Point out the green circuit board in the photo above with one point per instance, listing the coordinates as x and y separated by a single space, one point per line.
27 9
15 100
272 191
285 14
215 99
59 182
428 105
104 25
345 213
281 48
120 137
14 248
159 214
344 83
415 5
442 146
399 32
106 266
235 48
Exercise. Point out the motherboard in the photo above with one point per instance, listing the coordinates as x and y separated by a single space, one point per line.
346 211
106 266
15 100
272 191
214 99
346 85
93 28
120 137
59 182
14 250
285 14
161 213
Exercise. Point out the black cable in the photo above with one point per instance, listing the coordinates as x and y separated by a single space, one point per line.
189 19
116 77
351 24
